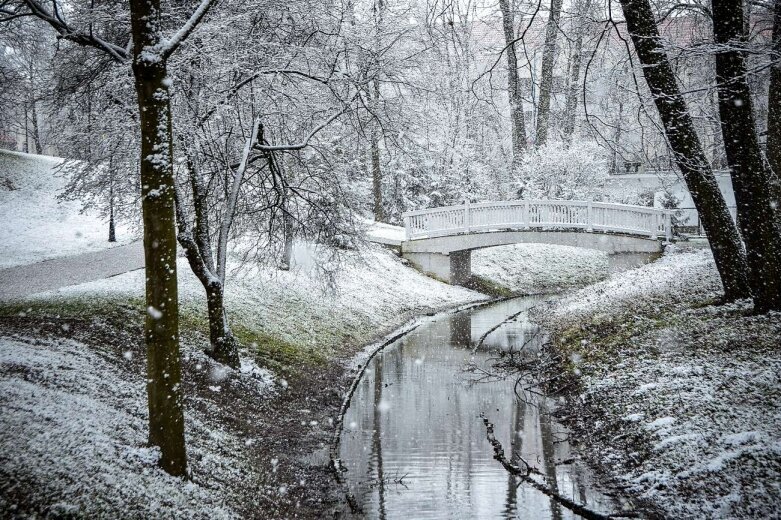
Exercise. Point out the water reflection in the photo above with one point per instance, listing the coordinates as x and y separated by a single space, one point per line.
415 447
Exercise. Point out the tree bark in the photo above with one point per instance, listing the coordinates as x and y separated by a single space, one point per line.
161 328
572 91
36 129
546 74
513 88
374 96
379 211
224 348
687 150
757 216
774 102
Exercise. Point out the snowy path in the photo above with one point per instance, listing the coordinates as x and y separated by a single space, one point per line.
48 275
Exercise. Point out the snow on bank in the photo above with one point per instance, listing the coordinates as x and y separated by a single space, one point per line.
679 276
36 226
73 439
534 268
367 294
679 402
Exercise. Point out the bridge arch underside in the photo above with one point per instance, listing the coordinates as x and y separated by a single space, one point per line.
449 258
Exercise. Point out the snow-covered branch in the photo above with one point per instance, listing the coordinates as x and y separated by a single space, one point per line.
168 47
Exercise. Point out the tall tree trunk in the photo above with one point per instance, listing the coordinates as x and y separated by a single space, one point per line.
571 107
161 328
379 210
615 166
26 146
36 130
288 221
197 247
287 251
225 347
750 178
689 156
112 232
374 96
513 88
774 101
546 74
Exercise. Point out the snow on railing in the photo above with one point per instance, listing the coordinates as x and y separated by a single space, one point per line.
551 215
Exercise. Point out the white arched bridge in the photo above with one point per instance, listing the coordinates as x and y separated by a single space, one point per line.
439 241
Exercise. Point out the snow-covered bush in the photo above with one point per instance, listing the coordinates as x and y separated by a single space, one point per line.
556 171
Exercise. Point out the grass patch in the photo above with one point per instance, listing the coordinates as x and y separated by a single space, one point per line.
127 314
488 286
267 350
123 313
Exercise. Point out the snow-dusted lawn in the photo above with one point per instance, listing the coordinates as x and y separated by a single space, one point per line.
679 400
536 268
74 433
81 411
369 294
35 225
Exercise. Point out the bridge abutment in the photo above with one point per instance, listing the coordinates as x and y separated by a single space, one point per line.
454 267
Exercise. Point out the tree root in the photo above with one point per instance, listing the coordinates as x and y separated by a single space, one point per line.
525 476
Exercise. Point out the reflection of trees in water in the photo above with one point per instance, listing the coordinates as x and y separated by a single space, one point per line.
377 435
549 456
461 329
417 417
516 447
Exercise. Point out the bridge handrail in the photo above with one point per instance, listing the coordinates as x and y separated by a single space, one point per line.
538 214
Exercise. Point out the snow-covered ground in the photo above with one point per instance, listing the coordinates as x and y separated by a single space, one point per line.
366 295
536 268
35 225
74 437
678 400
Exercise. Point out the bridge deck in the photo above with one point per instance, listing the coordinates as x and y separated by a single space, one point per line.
538 215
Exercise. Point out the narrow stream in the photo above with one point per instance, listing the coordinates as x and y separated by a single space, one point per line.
414 445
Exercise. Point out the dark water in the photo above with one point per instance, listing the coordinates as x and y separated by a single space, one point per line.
414 444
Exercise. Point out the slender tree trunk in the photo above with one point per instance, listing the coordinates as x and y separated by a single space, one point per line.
546 74
718 141
757 216
689 156
36 130
615 166
112 232
774 101
161 328
224 347
513 88
224 344
26 146
572 91
287 252
379 211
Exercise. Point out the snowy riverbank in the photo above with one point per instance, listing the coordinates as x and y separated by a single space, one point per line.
257 439
72 369
676 400
265 429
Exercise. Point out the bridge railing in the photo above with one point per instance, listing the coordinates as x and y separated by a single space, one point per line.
561 215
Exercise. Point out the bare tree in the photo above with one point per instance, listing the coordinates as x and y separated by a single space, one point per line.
582 9
513 86
685 144
546 73
754 195
774 99
151 51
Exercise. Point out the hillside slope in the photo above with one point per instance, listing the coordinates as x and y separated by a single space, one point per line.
35 225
